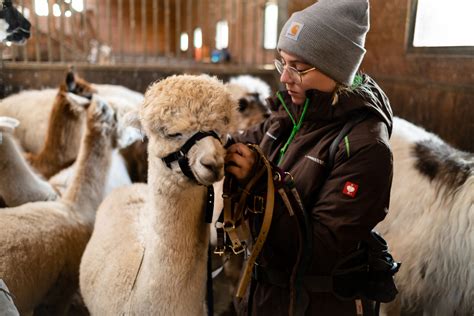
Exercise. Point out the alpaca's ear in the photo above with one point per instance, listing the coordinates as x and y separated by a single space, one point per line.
8 124
70 81
132 119
131 131
128 136
77 102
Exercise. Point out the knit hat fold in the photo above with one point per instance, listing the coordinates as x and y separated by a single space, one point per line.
329 35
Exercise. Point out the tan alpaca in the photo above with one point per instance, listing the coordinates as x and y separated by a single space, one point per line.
148 252
64 135
36 107
18 183
66 122
41 243
33 109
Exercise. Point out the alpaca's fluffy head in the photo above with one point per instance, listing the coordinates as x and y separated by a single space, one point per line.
179 106
251 94
176 108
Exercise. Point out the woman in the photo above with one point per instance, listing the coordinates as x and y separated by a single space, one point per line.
321 49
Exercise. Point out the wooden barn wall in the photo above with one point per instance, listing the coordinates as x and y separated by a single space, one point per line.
433 91
20 77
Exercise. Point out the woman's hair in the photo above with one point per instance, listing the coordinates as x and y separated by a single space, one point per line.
342 88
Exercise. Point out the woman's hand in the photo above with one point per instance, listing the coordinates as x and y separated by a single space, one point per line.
240 161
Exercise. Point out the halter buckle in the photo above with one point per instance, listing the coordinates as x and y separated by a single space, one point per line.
239 249
219 250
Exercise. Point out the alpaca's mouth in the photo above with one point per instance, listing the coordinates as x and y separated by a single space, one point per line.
208 176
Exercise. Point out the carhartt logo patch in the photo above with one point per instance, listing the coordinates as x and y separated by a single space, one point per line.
350 189
294 30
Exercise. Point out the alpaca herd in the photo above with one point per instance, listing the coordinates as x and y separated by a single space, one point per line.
44 241
71 217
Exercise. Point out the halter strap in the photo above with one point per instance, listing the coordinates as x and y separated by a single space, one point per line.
181 154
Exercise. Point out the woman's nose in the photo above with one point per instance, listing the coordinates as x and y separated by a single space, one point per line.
285 76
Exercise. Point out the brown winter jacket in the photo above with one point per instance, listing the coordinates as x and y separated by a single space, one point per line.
339 220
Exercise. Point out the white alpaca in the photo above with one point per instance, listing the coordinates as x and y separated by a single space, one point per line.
117 177
18 183
253 85
429 227
148 252
41 243
251 94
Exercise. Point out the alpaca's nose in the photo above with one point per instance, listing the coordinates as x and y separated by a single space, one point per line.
212 165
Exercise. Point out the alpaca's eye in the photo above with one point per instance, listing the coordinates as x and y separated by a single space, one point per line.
174 135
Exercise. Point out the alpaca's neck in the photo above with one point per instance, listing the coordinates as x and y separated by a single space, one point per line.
62 140
175 240
86 190
13 167
175 206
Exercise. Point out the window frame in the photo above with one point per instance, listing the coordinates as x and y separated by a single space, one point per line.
455 51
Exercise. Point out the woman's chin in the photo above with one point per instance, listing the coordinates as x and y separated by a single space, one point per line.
297 100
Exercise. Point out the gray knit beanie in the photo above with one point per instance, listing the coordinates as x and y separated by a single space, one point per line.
330 36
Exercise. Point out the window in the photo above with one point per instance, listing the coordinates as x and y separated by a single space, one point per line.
197 38
78 5
270 27
222 35
56 10
437 25
41 7
184 40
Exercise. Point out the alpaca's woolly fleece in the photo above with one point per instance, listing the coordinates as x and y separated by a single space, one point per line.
203 106
148 251
42 243
429 226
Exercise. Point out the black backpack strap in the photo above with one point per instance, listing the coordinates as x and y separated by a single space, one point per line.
356 119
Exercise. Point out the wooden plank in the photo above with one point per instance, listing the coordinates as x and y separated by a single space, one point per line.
61 32
37 35
120 28
156 46
167 28
50 45
132 26
144 31
189 27
178 28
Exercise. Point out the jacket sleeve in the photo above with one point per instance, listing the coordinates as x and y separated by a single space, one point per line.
351 202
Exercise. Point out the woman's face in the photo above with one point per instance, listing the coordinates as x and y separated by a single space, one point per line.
313 79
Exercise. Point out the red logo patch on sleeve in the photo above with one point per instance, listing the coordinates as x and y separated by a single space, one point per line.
350 189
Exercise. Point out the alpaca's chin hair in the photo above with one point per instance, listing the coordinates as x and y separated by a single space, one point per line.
208 178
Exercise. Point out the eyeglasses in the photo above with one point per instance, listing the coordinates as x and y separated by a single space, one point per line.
294 73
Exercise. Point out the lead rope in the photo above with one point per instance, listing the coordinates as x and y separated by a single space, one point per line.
296 126
208 220
262 236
